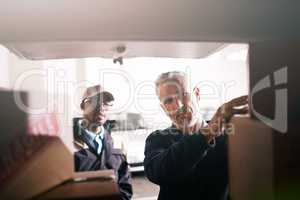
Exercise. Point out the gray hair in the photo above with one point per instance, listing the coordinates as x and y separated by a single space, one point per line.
177 77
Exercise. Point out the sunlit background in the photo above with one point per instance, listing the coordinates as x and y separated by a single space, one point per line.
60 83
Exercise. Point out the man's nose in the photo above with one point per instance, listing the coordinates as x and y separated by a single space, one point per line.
177 103
185 99
100 107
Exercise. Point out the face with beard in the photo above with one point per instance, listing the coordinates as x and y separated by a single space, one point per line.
179 105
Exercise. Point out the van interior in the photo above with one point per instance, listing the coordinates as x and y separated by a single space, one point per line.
51 52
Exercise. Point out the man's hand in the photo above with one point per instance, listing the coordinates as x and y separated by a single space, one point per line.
238 105
224 114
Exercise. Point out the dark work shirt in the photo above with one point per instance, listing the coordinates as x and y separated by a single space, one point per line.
185 166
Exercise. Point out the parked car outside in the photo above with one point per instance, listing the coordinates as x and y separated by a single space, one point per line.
129 133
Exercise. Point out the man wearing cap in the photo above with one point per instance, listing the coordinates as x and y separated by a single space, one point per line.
189 159
93 140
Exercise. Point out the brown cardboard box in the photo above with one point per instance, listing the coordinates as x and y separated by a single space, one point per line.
22 132
32 156
51 165
85 185
251 160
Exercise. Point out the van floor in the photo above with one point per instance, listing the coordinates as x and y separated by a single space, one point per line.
143 189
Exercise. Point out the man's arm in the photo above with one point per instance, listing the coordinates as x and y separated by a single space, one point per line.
170 164
124 180
119 163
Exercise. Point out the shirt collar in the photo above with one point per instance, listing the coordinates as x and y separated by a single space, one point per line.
202 123
92 135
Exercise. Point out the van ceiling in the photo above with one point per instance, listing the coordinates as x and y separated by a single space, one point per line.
57 50
64 22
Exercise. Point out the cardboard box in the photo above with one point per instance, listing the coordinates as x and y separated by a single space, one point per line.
51 165
32 156
22 132
251 160
85 185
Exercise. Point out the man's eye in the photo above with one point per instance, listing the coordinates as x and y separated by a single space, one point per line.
168 100
107 104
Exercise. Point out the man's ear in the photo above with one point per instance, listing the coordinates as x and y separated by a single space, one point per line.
82 106
163 107
197 92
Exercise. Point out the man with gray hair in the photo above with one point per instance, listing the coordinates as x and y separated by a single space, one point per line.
189 159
